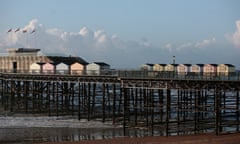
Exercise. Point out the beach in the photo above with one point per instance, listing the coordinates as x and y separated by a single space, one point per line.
66 129
190 139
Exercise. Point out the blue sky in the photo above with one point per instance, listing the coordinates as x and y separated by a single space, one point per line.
127 33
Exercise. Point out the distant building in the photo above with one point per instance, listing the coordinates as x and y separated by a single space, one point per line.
22 51
77 68
48 68
159 67
68 65
62 68
20 59
147 66
97 68
210 68
171 67
36 68
225 69
197 68
183 68
24 60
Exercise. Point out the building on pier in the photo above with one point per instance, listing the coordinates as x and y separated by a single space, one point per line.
159 67
25 60
196 68
147 66
19 59
97 68
171 67
225 69
183 68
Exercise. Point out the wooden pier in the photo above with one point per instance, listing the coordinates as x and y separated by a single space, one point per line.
163 104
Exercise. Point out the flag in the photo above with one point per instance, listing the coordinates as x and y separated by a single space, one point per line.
33 31
9 30
17 30
24 31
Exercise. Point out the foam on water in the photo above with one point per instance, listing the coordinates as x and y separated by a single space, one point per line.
45 121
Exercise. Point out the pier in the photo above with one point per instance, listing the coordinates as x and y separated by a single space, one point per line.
163 103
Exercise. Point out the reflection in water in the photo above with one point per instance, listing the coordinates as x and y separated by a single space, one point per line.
34 135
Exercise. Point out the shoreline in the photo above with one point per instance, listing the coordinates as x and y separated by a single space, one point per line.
187 139
66 129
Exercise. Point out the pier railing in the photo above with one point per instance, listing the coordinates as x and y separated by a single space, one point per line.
177 75
139 74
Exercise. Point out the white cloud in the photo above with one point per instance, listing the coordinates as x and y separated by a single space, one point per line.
92 45
98 45
205 43
235 37
183 46
168 46
186 46
84 31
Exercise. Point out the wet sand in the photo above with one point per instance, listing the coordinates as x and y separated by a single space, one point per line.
190 139
18 132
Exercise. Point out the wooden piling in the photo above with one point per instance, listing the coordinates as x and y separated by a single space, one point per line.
171 107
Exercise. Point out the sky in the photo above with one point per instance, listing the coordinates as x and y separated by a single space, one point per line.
125 33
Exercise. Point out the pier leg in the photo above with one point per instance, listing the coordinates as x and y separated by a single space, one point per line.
26 89
57 98
103 103
217 111
49 98
237 108
93 99
72 98
114 104
168 110
79 100
124 110
12 98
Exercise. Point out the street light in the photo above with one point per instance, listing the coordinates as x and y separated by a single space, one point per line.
174 68
174 60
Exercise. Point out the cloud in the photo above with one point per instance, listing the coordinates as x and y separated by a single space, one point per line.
94 45
205 43
183 46
98 45
168 46
235 37
186 46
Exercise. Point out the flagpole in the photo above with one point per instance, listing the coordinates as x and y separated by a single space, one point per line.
34 38
18 29
10 31
11 34
26 38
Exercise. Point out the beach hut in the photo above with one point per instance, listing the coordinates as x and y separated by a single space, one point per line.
183 69
210 69
35 68
48 68
97 68
197 68
159 67
147 67
225 69
171 67
62 68
68 65
77 68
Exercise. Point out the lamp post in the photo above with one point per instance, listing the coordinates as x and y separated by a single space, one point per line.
174 68
174 60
